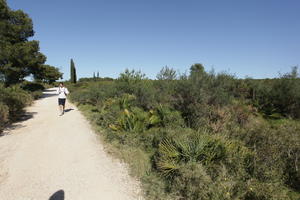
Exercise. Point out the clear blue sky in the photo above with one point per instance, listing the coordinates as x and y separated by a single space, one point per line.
258 38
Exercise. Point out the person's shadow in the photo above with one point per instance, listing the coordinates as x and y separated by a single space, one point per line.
68 110
59 195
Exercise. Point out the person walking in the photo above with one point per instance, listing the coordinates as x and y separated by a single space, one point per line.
62 95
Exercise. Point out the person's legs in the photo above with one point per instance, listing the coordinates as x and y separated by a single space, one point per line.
61 109
60 104
63 102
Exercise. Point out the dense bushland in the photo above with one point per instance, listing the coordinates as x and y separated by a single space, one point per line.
201 135
275 98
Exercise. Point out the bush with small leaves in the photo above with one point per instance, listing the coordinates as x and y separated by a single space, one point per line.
4 115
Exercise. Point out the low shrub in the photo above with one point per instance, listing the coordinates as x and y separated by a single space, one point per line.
4 115
280 96
202 135
36 94
32 86
13 100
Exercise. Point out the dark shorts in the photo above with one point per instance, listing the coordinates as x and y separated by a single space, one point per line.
62 102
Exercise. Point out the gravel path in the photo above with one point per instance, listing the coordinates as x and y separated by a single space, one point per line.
59 158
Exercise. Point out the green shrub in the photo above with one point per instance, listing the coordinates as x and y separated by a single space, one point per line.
202 135
135 83
163 116
4 115
15 99
277 96
134 120
36 94
95 94
277 150
32 86
204 149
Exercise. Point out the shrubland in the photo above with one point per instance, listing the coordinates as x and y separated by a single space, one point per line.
202 135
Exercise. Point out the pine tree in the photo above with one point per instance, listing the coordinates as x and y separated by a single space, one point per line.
73 78
98 74
19 56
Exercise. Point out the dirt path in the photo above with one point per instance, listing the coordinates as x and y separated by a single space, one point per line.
59 158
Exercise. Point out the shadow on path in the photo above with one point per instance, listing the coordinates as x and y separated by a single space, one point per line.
18 123
50 90
68 110
59 195
27 116
45 95
49 93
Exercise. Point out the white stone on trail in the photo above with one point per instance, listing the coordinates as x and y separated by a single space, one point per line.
59 158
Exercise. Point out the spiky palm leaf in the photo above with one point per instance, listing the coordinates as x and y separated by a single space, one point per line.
196 148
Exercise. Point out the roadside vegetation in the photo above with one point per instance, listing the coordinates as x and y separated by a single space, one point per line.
20 61
202 135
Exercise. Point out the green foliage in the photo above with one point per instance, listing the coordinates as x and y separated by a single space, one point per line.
4 115
14 99
134 120
135 83
163 116
202 135
48 74
12 102
32 86
73 75
196 95
199 148
202 166
20 60
278 149
166 73
94 78
94 93
20 57
131 77
277 96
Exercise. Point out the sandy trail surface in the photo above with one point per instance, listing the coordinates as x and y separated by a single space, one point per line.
59 158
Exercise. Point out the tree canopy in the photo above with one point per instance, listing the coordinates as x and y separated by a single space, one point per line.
19 57
48 74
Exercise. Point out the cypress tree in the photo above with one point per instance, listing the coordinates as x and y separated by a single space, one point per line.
73 78
75 75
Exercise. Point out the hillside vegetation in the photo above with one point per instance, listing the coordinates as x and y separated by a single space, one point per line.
201 135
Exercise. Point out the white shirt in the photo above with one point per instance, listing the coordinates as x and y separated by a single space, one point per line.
62 92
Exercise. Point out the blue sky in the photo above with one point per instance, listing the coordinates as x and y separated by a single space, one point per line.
256 38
